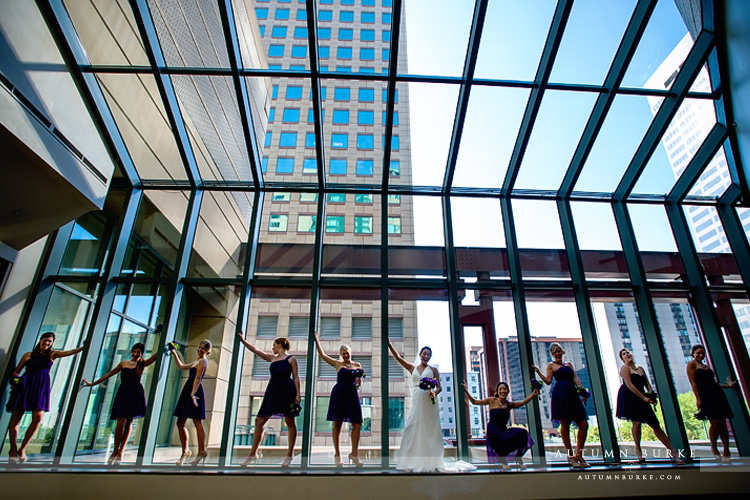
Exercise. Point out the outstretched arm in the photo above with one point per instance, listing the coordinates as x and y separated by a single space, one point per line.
472 399
178 360
547 379
335 363
63 354
407 366
255 350
730 383
114 371
525 401
150 361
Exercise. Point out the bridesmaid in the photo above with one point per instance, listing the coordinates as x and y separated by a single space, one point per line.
130 400
344 405
506 442
634 404
282 393
191 403
566 404
710 400
33 392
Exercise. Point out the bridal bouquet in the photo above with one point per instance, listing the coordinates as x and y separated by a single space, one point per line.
583 392
652 395
535 385
428 384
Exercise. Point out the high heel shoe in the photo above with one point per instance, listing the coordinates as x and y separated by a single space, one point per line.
249 460
200 456
12 460
183 457
357 462
573 461
287 461
337 461
22 460
583 463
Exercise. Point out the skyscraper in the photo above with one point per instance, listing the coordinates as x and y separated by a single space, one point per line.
354 42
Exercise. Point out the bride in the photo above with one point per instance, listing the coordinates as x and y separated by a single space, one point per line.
422 441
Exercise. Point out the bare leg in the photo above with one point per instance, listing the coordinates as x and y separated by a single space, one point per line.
183 434
724 434
583 429
356 429
565 434
36 420
354 455
637 428
713 435
201 435
257 435
662 436
292 426
336 435
14 425
127 426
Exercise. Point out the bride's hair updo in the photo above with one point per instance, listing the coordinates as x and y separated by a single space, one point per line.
425 348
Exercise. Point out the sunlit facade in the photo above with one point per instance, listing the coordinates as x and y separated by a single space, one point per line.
484 179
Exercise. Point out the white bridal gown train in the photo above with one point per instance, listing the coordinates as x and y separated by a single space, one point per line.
422 441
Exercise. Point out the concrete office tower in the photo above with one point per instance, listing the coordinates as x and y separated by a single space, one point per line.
684 136
510 371
353 38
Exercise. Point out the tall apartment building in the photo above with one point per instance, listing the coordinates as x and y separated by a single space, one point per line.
678 331
684 136
354 39
449 402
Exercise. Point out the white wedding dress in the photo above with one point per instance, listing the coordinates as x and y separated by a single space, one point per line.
422 441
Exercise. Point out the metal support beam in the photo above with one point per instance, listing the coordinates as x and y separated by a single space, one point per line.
155 392
458 356
317 107
76 411
150 39
234 382
462 105
698 164
391 95
624 55
669 108
709 323
554 37
312 354
591 346
240 88
651 331
522 325
34 311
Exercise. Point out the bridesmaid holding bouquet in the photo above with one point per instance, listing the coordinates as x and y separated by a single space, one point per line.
344 405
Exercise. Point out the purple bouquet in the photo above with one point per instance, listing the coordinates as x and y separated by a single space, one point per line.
700 415
171 346
652 395
359 374
428 384
583 392
535 385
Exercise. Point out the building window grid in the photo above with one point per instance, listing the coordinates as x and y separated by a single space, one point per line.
679 322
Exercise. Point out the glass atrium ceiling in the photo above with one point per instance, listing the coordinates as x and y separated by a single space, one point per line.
536 99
